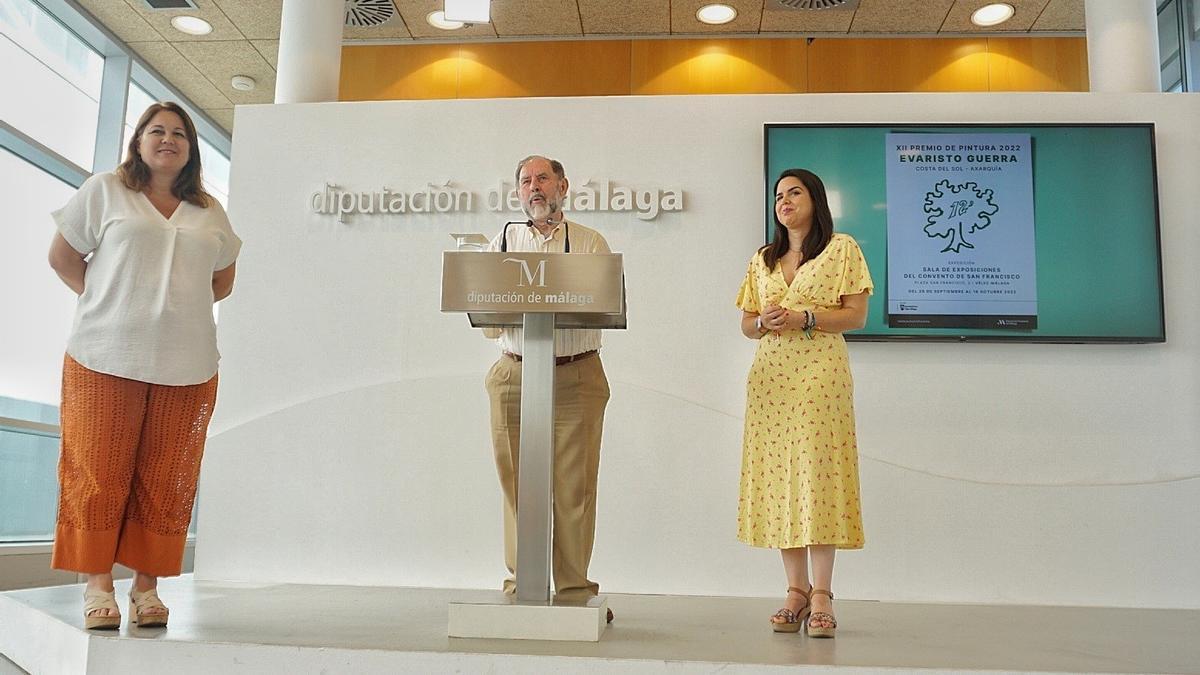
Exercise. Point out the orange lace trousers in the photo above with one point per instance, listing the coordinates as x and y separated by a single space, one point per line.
127 471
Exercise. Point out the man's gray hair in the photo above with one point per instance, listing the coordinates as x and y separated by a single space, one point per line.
555 165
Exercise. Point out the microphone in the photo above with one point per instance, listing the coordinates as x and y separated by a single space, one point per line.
529 223
504 233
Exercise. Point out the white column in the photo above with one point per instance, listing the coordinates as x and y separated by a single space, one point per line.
1122 45
310 51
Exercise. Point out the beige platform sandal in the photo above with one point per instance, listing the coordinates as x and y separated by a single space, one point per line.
823 617
95 600
787 621
141 601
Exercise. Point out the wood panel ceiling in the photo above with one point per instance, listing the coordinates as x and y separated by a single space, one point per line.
245 36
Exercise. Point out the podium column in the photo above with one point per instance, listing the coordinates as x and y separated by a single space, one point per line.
536 291
535 477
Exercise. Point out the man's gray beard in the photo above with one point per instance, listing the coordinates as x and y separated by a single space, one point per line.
550 206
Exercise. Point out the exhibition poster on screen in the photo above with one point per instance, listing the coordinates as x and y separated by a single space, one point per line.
960 231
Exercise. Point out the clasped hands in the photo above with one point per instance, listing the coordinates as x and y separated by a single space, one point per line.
774 317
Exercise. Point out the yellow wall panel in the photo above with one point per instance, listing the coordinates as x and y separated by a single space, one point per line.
887 64
580 68
1042 64
719 67
712 66
391 72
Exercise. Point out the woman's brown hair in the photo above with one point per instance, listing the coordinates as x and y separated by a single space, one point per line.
819 234
135 173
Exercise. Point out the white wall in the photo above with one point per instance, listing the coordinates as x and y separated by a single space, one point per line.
350 444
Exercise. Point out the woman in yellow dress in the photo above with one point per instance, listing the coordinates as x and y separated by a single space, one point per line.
799 483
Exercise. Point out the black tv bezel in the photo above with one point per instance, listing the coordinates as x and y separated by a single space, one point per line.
1161 338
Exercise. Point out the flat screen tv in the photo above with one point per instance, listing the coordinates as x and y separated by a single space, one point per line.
992 232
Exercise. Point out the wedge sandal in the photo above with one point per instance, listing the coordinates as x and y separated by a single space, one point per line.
788 621
823 617
140 602
95 600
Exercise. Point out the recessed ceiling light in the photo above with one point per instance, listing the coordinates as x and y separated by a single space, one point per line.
438 20
993 14
192 25
716 14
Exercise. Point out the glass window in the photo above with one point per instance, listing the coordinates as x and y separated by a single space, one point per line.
215 172
37 306
1193 45
51 81
1168 31
58 77
31 360
28 473
1169 55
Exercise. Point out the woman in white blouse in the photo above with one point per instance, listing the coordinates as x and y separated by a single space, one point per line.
149 252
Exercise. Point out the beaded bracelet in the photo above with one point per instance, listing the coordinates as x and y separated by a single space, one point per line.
810 322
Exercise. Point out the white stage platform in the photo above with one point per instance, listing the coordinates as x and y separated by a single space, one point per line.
231 628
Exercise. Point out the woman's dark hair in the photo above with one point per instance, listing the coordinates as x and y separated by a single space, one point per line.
822 221
135 173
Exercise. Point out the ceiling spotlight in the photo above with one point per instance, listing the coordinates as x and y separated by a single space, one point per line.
242 82
993 14
716 14
438 20
468 11
192 25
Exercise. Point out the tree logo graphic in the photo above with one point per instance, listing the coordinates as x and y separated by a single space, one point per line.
956 211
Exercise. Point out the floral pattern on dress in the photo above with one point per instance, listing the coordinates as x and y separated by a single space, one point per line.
799 480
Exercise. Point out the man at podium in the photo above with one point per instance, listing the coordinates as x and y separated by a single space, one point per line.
580 390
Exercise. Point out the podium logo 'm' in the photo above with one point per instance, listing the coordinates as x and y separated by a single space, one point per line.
527 276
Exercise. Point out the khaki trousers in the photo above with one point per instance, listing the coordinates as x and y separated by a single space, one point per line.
127 471
580 396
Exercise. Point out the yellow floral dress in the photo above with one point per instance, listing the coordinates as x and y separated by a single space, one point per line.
799 483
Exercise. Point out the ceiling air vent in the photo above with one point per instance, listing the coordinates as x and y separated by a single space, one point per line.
811 4
367 13
170 4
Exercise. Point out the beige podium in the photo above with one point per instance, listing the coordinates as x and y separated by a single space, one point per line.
539 292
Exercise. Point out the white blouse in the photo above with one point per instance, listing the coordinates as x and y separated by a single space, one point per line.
146 309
